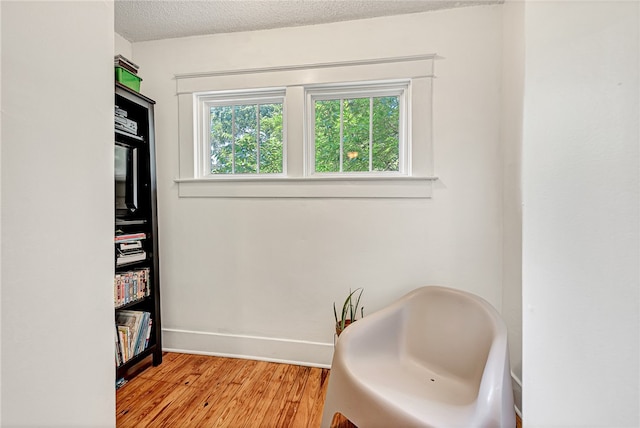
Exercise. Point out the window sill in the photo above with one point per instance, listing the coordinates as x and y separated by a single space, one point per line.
308 187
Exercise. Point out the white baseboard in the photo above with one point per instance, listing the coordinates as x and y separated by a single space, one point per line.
300 352
517 394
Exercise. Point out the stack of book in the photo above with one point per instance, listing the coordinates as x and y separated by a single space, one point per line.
133 329
129 248
131 286
127 64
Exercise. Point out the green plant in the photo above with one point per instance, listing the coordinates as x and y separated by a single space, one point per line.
349 309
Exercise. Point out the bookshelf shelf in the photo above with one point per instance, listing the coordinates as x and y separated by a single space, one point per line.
121 371
133 303
120 133
123 222
131 265
136 282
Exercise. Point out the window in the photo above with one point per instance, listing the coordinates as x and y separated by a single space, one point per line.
240 133
357 130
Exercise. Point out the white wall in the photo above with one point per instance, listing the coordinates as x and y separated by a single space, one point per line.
57 214
258 277
511 119
122 46
581 234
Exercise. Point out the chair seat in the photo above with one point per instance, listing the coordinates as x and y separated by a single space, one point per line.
415 381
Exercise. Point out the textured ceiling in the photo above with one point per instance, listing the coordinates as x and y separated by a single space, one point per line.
141 20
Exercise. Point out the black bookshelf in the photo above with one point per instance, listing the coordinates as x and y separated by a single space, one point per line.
136 214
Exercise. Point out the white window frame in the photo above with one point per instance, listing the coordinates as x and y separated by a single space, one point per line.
359 90
296 180
203 101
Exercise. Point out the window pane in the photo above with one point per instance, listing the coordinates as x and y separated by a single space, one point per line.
327 138
246 123
386 134
271 138
355 134
234 138
221 141
370 132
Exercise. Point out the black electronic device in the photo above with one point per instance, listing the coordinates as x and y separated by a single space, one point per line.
126 179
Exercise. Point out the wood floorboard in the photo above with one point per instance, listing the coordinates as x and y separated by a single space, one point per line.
188 391
279 401
159 409
264 405
132 397
309 413
218 374
241 396
292 400
217 403
250 395
169 363
141 412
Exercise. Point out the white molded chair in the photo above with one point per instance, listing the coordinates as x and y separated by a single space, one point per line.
437 357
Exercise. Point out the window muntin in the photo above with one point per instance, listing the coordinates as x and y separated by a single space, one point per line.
241 134
357 130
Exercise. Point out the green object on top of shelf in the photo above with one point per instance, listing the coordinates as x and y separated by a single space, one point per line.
128 79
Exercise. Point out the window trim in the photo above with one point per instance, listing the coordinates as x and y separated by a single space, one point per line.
307 187
416 69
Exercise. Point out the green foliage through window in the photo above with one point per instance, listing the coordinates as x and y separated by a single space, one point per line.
357 134
246 139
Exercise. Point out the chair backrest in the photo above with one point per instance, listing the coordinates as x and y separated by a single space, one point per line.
450 331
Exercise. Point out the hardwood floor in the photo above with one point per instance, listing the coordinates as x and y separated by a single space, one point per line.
202 391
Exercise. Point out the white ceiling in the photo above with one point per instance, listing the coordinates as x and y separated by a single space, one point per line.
141 20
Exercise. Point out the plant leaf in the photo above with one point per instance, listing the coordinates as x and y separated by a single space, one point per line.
357 301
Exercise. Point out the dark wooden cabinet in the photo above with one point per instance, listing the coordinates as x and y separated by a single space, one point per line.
136 224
